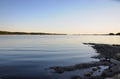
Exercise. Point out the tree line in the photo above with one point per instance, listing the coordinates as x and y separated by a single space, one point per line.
26 33
114 33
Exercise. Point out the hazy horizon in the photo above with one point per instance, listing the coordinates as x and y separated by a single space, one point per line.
60 16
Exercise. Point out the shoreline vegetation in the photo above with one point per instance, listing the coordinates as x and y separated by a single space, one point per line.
109 55
114 34
41 33
27 33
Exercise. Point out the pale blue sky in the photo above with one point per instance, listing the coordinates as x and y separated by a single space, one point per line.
60 16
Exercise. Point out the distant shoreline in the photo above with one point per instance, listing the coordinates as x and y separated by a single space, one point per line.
42 33
27 33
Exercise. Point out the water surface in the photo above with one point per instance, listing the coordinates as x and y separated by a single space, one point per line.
28 56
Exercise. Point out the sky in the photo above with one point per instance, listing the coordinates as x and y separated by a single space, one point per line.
60 16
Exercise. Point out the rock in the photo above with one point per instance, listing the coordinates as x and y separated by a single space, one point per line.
88 74
116 76
58 69
107 73
105 50
62 69
117 56
96 77
75 77
98 67
94 69
108 78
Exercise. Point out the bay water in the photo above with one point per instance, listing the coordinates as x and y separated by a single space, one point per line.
30 56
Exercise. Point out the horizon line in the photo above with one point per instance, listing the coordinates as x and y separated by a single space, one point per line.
59 33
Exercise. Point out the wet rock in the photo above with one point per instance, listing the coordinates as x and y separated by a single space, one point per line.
116 76
94 69
96 77
107 73
88 74
62 69
98 67
117 56
106 50
75 77
58 69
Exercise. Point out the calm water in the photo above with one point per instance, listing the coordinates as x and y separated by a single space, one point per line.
28 56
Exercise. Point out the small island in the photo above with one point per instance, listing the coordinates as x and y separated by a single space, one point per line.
114 34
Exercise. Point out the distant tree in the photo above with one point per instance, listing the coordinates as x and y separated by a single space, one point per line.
118 33
111 33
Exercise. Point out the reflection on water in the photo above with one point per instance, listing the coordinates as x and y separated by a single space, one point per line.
27 56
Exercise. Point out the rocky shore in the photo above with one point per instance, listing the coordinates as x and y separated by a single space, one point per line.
105 50
109 55
62 69
112 53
